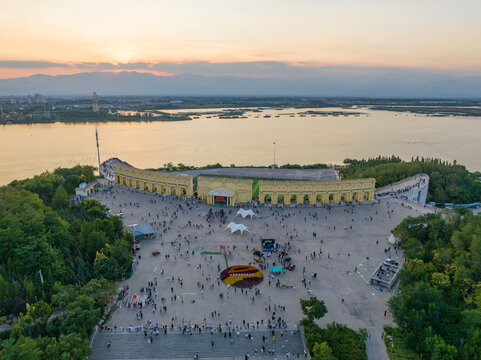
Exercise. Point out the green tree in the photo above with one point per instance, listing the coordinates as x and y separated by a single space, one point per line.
440 350
345 342
25 348
81 317
64 296
322 351
4 288
120 250
60 198
68 347
440 280
99 290
471 349
107 267
313 308
46 246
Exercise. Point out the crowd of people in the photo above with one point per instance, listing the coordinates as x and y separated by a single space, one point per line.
403 187
162 301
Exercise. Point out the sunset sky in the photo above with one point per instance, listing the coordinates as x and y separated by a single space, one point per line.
164 37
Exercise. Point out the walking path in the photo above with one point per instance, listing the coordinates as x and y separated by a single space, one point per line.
413 188
375 348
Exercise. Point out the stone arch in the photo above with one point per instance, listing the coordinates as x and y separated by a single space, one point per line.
267 199
369 195
293 198
305 199
280 198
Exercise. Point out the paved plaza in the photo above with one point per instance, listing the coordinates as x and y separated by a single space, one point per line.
342 245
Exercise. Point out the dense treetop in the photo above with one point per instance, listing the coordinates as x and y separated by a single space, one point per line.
56 258
438 307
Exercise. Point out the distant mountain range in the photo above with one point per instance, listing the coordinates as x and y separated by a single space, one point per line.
404 84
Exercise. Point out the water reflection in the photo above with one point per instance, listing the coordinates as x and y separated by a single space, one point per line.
26 150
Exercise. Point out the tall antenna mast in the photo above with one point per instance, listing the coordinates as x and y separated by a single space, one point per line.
95 102
98 151
274 153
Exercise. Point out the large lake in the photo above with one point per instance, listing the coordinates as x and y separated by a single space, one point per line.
26 150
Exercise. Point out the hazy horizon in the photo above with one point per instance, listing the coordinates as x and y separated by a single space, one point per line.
343 82
275 39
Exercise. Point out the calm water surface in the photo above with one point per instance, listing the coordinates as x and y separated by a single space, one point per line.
26 150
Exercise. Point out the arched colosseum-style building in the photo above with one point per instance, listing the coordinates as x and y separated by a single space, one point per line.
231 191
316 191
154 181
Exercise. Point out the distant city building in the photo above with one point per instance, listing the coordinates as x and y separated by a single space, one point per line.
126 113
135 113
40 99
95 104
35 99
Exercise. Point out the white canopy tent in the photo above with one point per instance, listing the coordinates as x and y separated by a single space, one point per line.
391 239
236 227
245 213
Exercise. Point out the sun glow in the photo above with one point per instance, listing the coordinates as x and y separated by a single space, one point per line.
386 34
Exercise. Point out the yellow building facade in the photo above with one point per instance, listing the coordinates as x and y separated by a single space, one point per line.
232 191
154 181
325 192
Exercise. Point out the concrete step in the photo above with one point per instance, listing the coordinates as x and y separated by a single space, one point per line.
133 346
